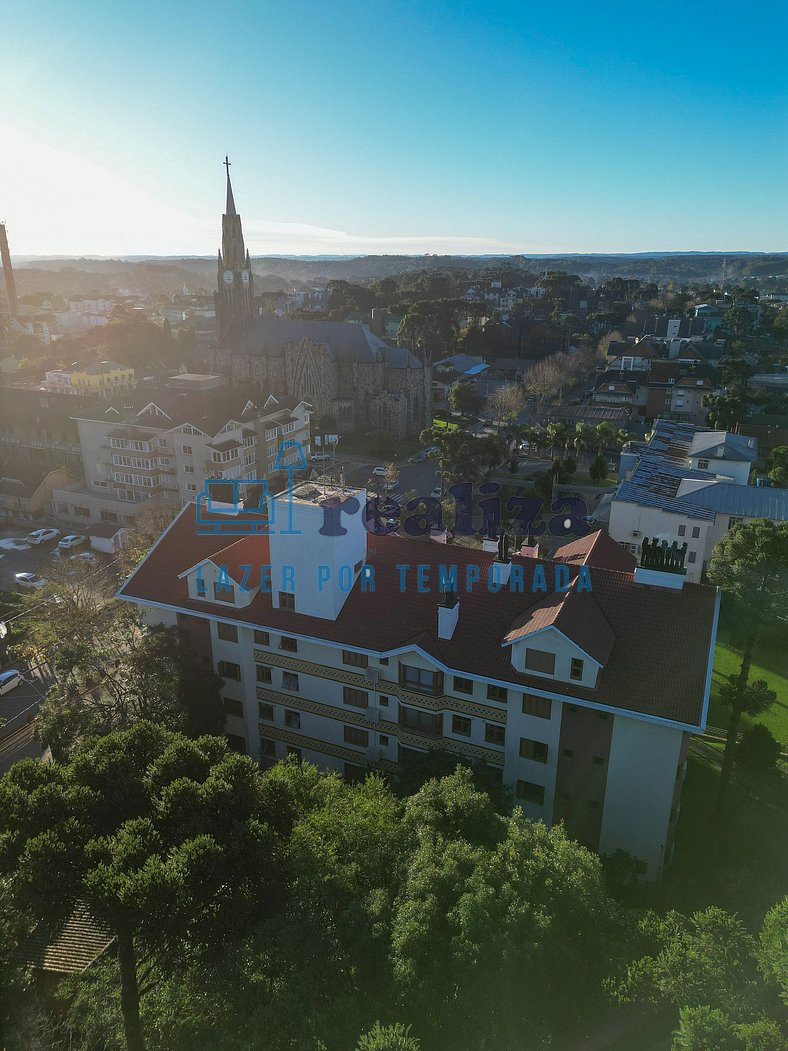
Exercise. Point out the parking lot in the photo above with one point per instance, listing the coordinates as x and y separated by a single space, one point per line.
34 560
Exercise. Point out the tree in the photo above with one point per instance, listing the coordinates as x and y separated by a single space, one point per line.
773 947
750 564
778 466
148 830
703 959
465 398
725 410
758 750
394 1037
739 321
506 403
711 1029
598 469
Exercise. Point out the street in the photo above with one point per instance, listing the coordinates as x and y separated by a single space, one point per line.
17 711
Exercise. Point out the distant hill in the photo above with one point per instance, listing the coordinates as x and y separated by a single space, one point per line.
167 275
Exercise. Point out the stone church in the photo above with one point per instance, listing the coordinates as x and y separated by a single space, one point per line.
347 373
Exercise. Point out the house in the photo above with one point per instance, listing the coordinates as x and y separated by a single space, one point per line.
340 650
689 485
98 378
26 492
160 446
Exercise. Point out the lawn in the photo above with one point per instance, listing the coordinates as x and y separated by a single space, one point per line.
770 663
738 863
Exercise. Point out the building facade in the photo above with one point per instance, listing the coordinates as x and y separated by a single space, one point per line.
353 652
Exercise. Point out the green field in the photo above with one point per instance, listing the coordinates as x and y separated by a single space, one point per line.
770 663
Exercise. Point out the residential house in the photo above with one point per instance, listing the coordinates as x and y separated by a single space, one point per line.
98 378
26 493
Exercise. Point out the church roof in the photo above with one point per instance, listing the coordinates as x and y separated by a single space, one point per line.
346 341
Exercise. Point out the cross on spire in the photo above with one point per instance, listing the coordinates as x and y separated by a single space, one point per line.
230 209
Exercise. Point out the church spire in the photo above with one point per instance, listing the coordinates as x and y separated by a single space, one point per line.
230 209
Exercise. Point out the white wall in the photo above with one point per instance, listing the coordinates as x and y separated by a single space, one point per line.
552 641
641 779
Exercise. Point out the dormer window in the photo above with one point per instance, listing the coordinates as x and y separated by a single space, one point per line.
202 587
576 669
703 465
223 592
540 661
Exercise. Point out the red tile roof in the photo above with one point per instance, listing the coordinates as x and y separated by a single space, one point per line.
656 666
597 549
575 614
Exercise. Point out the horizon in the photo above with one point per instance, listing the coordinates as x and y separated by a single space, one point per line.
443 130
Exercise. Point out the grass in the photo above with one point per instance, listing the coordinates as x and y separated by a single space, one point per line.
770 662
738 863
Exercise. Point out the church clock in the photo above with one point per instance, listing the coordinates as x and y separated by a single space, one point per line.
245 277
228 277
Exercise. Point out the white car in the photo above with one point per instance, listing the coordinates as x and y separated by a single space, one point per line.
9 680
319 457
68 543
379 472
15 543
32 581
42 536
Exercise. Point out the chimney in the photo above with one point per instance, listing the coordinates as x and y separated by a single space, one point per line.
448 612
502 564
661 566
530 548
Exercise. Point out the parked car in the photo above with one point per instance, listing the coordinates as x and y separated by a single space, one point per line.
43 536
319 457
31 581
9 680
73 540
379 472
15 543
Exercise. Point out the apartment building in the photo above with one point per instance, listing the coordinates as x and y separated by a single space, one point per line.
356 650
37 428
96 379
162 446
689 485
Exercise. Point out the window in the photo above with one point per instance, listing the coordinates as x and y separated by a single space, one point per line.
540 661
703 465
223 592
355 660
541 707
288 644
692 556
598 761
576 669
265 711
289 681
227 632
420 679
356 698
460 725
384 741
191 487
462 685
384 661
530 792
383 701
263 673
287 601
188 469
292 719
568 753
202 587
497 693
81 512
423 722
233 707
536 750
108 516
355 735
494 734
262 638
682 530
228 670
186 450
295 752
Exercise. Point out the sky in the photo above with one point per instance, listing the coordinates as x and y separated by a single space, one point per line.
391 126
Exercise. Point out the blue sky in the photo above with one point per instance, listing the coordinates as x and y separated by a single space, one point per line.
394 126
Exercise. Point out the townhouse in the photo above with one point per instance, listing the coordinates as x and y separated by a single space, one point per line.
357 650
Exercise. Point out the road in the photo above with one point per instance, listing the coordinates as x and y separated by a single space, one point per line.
17 711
